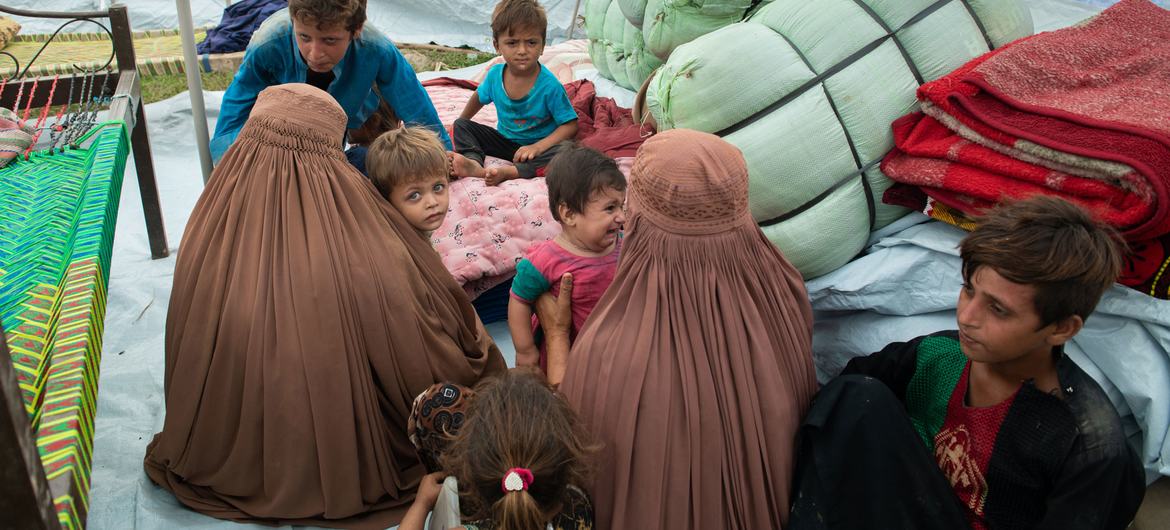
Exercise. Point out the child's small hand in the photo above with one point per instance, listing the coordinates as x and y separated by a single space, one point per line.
527 153
424 502
429 489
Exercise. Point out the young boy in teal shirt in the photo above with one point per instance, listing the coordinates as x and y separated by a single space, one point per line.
533 110
324 43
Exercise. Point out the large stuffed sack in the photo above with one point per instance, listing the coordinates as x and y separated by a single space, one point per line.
595 11
634 10
615 44
668 24
640 63
807 90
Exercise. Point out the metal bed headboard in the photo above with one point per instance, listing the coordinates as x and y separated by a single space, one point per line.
125 104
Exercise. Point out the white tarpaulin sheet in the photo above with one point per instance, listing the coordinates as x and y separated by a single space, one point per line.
449 22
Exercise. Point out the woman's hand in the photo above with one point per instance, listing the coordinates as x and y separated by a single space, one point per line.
556 319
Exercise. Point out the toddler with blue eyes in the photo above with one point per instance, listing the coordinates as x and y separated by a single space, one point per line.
409 167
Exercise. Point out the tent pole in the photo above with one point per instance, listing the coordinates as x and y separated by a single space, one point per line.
194 86
573 23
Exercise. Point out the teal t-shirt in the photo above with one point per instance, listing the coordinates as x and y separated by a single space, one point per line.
533 117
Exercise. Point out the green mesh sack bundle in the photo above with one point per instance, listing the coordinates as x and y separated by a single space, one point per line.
666 24
640 63
807 90
634 10
615 48
595 31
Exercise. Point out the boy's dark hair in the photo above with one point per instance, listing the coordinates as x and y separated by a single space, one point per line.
350 14
510 16
575 173
1070 257
517 421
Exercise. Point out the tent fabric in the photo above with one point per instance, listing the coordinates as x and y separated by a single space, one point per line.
812 113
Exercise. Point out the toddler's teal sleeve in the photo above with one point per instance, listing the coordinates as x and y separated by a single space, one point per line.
529 283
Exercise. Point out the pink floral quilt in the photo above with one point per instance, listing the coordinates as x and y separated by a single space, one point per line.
489 228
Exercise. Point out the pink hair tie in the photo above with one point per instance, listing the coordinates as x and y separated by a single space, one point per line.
516 479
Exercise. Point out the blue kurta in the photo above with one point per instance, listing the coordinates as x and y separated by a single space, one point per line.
272 58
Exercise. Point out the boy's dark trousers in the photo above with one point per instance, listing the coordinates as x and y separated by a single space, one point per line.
861 465
476 140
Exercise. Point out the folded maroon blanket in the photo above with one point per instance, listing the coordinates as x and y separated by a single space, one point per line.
1082 112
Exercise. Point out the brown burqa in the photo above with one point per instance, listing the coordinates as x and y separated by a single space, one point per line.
306 315
696 366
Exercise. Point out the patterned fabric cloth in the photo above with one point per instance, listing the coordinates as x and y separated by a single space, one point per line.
489 228
435 419
1058 461
15 137
1145 268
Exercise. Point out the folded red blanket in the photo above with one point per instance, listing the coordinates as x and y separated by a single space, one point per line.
1146 267
1081 112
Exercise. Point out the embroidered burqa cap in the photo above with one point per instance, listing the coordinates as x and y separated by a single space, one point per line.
306 314
696 366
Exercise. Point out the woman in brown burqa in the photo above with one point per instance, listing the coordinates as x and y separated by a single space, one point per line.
695 368
305 316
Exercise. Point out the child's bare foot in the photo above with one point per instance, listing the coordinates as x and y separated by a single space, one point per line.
497 175
462 166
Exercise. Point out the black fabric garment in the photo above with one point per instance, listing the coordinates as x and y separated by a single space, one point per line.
860 464
318 79
1059 462
476 140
